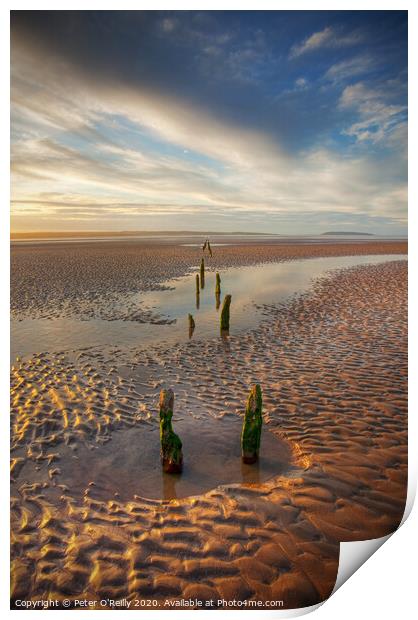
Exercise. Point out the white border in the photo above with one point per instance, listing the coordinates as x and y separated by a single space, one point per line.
385 586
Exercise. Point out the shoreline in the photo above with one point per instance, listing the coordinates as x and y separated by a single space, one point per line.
97 276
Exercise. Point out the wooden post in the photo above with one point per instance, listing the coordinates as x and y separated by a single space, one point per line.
225 313
171 446
197 292
251 430
202 273
218 284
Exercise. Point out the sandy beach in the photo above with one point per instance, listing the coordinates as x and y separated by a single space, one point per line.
92 514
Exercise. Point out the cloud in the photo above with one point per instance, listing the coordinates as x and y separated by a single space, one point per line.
301 83
168 24
379 118
89 151
350 68
327 38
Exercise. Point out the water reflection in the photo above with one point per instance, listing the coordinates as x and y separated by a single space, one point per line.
263 284
169 485
250 473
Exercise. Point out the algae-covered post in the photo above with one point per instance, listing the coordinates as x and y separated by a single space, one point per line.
202 273
218 284
225 313
171 446
251 430
218 300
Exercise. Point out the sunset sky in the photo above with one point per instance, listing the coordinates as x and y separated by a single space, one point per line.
286 122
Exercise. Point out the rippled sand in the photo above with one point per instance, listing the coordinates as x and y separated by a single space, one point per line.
97 280
333 367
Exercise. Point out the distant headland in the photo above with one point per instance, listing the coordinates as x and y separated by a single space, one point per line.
348 232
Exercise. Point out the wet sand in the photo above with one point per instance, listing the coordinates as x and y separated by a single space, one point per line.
333 366
95 280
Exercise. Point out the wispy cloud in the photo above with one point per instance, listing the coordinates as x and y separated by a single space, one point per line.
379 119
93 148
351 67
326 38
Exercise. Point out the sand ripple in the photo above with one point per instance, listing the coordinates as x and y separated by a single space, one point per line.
333 367
101 280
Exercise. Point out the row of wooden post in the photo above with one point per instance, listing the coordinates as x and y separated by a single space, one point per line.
171 445
200 284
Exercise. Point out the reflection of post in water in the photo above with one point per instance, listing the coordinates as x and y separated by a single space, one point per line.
218 290
192 325
250 473
169 485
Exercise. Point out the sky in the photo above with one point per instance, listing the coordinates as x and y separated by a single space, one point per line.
289 122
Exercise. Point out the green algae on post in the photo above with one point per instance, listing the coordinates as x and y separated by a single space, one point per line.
202 273
218 300
225 313
218 284
251 430
171 446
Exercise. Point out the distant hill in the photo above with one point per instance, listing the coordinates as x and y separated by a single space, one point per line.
348 232
128 233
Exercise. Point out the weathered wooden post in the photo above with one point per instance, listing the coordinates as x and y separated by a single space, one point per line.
192 325
225 313
204 245
251 430
209 249
218 284
202 273
197 291
171 446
